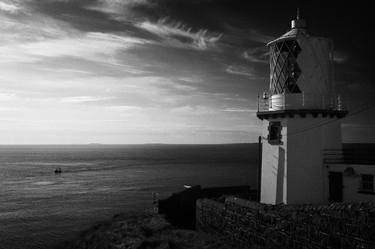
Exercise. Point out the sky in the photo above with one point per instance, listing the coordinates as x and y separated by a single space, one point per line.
163 71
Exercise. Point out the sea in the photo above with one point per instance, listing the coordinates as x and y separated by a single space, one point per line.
40 209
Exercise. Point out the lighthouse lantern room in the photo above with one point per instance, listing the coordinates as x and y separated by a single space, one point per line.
300 117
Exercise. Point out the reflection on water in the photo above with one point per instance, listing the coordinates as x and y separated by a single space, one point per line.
39 208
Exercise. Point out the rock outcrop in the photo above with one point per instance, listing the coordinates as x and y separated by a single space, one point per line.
143 231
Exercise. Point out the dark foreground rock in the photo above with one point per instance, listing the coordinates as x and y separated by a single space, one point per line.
143 231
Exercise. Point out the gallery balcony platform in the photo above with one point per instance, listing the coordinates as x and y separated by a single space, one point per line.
300 104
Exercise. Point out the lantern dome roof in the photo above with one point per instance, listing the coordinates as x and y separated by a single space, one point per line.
298 30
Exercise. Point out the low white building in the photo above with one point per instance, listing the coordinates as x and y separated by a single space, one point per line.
303 160
350 173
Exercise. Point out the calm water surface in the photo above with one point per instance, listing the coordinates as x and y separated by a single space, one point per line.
39 208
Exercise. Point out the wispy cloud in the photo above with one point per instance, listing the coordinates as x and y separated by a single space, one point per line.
240 70
9 7
125 108
91 46
84 99
238 35
7 96
257 55
116 7
194 110
257 36
31 28
239 110
179 35
117 71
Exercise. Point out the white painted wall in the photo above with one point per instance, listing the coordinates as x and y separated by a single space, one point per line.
315 63
273 181
307 138
297 176
351 184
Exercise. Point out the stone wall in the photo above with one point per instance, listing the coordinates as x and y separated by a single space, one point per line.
339 225
180 207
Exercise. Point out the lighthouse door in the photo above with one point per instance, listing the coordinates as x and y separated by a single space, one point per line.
335 187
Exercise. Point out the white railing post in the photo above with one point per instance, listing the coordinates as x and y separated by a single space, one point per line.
339 103
303 99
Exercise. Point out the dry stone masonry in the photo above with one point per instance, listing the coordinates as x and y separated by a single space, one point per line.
255 225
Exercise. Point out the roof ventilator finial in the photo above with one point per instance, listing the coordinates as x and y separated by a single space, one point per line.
298 22
297 17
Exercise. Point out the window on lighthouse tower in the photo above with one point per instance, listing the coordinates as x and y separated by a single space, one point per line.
284 67
274 132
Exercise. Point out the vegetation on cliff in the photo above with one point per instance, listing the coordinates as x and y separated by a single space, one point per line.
143 231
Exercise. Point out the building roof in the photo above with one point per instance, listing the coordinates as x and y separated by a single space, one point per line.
298 29
351 153
294 33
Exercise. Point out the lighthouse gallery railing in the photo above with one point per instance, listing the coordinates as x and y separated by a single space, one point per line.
298 101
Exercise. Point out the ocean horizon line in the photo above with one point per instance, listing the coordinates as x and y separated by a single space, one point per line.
121 144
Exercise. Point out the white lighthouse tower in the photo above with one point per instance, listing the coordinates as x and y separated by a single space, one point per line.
300 115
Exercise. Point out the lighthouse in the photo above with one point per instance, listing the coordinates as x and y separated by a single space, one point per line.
300 116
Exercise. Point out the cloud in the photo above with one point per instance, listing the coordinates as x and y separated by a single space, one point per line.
121 71
239 110
7 96
125 108
257 55
240 70
180 35
84 99
94 46
116 7
31 28
239 35
92 43
191 79
10 8
255 35
194 110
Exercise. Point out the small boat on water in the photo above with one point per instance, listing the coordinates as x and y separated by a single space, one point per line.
58 171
